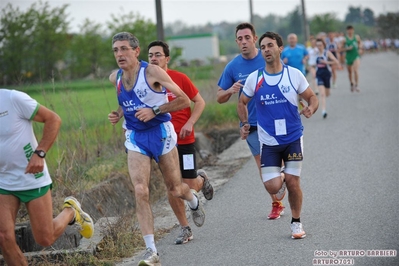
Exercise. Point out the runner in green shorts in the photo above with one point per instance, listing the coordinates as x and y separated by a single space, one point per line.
352 45
27 195
24 176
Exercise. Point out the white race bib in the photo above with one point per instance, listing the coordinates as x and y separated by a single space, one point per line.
280 127
188 161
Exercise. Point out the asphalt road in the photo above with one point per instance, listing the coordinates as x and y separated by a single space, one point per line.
349 181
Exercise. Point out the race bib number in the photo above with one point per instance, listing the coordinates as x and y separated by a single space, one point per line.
188 161
280 127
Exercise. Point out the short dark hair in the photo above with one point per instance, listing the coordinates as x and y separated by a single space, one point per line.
246 25
273 36
163 44
126 36
349 27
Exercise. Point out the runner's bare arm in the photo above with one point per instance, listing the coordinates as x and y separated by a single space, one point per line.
52 124
224 95
114 116
112 77
333 60
242 111
199 106
313 103
158 77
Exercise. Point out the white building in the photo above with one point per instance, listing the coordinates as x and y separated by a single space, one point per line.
202 47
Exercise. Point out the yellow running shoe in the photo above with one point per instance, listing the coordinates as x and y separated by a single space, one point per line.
82 218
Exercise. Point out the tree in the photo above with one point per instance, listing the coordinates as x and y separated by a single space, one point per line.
325 23
226 35
88 52
295 24
13 43
388 25
368 17
143 29
354 15
32 43
268 23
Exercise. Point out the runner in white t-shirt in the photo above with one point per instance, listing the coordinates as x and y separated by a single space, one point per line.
312 50
24 176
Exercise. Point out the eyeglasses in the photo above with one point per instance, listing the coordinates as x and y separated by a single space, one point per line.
157 55
123 49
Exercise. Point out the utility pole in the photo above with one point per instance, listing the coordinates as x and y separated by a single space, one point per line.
160 32
251 14
306 30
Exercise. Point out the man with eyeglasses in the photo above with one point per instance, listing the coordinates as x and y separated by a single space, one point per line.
143 102
183 121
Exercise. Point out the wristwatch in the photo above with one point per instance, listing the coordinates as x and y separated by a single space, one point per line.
156 110
40 153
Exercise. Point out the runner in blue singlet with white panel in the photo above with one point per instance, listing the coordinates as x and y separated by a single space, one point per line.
275 89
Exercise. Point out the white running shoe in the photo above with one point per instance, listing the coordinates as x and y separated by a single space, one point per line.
297 231
150 258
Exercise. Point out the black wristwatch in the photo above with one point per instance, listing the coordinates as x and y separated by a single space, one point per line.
156 110
40 153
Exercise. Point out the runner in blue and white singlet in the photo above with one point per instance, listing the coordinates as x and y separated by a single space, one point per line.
149 133
232 80
275 90
325 60
276 97
154 137
141 96
239 69
323 70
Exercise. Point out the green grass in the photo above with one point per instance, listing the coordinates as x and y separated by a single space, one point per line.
87 143
88 147
218 115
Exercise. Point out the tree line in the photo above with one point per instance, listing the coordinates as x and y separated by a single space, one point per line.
37 46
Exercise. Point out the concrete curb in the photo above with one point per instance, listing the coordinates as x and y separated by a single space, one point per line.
86 246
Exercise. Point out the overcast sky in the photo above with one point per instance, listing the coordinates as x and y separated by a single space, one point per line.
199 12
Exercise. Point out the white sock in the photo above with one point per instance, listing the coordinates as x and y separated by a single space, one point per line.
149 242
193 204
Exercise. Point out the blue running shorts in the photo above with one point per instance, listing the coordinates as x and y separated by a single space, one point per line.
153 142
